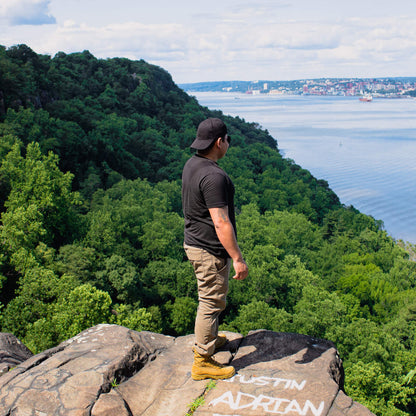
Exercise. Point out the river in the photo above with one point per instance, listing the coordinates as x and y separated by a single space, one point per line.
366 151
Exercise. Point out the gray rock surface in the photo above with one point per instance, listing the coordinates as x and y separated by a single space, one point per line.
12 352
110 370
69 379
281 373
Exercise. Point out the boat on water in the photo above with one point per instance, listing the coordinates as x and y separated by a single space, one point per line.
366 98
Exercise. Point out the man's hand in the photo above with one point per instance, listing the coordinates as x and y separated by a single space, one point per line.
241 269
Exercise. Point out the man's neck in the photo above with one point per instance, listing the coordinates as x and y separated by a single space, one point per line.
211 156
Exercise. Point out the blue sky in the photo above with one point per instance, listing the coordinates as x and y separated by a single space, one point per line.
226 40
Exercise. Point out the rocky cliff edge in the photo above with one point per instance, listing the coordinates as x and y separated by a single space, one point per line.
110 370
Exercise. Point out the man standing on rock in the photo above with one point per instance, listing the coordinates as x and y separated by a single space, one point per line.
210 241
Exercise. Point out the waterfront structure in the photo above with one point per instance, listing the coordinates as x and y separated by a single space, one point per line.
376 87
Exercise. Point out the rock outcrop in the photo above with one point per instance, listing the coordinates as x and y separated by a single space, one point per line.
12 352
110 370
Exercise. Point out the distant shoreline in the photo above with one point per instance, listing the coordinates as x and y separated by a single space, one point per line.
384 97
355 87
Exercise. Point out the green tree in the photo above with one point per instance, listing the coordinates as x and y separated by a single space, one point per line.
119 216
167 279
119 278
163 237
317 311
368 385
259 315
78 261
84 307
138 319
40 203
182 315
39 289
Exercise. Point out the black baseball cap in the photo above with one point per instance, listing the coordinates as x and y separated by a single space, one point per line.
209 130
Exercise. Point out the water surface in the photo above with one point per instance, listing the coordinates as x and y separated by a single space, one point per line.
366 151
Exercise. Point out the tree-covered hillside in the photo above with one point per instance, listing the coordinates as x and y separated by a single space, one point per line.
91 155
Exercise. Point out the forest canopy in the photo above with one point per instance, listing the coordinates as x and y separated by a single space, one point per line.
91 155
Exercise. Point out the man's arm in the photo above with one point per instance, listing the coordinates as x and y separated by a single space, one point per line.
226 235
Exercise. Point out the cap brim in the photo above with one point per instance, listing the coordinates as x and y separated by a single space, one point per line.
199 144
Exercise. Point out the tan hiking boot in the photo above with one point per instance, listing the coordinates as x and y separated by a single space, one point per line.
220 341
205 367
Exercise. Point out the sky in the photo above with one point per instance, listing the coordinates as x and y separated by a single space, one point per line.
223 40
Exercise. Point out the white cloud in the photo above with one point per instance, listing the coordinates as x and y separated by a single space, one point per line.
26 12
132 39
236 43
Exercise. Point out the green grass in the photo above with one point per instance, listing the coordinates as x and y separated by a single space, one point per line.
200 401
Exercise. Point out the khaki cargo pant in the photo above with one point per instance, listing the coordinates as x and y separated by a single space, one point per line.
212 276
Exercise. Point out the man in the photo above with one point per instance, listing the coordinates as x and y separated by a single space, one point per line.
210 241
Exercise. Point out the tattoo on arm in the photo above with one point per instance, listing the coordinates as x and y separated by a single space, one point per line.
223 215
219 216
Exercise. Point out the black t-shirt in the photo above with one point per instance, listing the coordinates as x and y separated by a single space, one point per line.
205 185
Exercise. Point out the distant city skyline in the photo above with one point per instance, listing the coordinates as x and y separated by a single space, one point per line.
378 87
227 40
